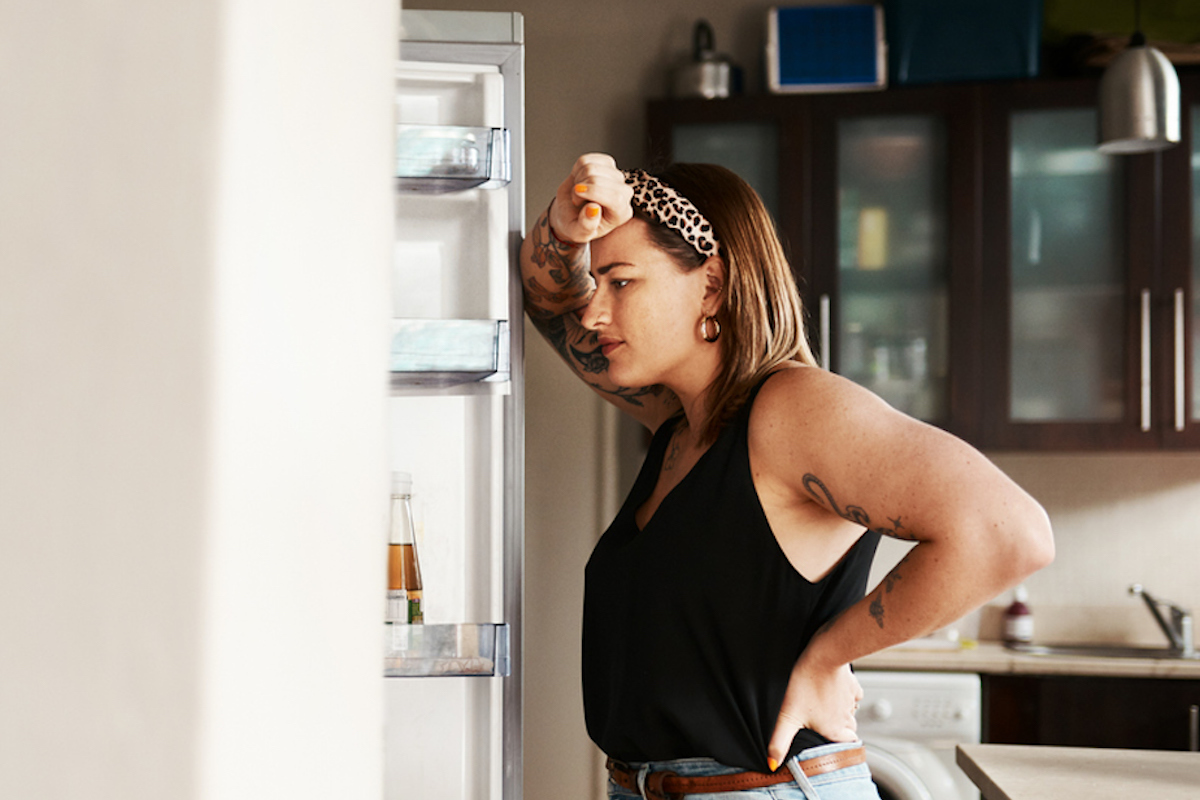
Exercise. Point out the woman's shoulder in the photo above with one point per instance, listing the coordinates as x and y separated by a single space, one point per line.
795 387
802 405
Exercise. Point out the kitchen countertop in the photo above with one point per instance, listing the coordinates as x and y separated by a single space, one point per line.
994 659
1022 772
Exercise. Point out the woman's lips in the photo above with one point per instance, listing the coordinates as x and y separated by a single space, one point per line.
608 345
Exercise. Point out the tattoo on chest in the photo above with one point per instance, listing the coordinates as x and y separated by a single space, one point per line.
856 514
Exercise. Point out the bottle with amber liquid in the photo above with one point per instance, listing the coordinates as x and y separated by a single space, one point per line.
404 569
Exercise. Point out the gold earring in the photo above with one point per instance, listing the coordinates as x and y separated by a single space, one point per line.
716 334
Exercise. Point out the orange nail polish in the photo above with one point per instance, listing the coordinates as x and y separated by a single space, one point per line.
581 188
773 764
593 211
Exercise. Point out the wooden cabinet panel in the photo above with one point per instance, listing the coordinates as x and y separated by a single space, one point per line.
1077 711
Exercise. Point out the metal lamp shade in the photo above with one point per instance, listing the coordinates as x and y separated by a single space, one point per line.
1139 102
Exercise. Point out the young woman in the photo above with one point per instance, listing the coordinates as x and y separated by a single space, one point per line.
725 604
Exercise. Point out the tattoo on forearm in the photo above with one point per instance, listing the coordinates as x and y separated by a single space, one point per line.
876 609
590 361
855 514
565 266
580 349
885 587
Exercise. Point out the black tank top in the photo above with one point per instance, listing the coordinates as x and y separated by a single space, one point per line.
691 627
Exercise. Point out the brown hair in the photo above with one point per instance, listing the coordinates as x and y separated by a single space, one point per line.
761 317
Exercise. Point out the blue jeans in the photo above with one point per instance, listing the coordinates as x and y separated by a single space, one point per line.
848 783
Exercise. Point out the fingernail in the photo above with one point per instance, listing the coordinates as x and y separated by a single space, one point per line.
593 211
581 188
773 764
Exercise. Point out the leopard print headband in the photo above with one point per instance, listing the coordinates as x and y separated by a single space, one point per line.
670 208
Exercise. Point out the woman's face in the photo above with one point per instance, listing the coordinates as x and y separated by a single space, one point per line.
646 311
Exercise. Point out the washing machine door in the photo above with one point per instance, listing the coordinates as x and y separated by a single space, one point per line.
905 770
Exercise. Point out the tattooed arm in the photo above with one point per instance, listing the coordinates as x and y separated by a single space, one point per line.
848 462
592 201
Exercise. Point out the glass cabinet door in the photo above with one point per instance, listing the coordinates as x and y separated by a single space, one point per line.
1177 324
1067 330
749 148
892 307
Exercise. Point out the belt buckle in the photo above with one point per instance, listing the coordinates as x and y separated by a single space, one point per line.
653 788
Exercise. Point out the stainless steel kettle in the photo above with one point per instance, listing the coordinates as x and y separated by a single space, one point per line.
708 74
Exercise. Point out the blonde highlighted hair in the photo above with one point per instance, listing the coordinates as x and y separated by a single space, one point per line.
761 316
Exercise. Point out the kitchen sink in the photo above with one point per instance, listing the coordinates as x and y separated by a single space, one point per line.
1100 651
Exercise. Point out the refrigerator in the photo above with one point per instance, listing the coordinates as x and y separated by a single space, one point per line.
453 685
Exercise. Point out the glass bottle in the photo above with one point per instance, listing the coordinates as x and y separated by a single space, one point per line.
404 569
1018 618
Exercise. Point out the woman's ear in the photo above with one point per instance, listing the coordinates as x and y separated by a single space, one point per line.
715 275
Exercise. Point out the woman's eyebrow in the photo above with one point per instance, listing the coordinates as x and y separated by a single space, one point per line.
608 267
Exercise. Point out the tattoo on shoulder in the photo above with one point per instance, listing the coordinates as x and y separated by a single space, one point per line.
856 514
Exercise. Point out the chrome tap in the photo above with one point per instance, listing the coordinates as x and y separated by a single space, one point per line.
1178 630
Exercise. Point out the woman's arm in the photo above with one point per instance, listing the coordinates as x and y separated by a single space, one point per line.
977 533
592 201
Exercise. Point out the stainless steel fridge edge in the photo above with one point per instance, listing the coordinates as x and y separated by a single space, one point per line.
439 43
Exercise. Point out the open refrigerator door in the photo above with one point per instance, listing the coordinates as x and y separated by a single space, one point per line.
453 684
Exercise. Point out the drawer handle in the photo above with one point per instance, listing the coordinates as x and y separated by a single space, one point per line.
1180 385
823 323
1145 382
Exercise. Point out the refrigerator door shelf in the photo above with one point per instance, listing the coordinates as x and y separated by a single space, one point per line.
435 159
447 352
421 651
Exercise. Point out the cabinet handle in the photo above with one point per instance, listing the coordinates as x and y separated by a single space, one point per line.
823 323
1180 386
1145 359
1194 729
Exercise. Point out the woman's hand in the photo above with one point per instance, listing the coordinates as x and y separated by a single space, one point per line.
592 201
822 699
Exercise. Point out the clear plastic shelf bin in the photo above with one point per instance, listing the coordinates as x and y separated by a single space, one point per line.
444 158
414 651
446 352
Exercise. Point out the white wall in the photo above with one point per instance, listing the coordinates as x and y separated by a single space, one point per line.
195 233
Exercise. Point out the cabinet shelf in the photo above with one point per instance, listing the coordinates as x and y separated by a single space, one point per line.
449 352
424 651
434 159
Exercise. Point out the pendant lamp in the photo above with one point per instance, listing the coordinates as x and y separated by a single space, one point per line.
1139 99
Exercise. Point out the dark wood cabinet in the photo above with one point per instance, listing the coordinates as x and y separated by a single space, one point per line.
967 253
1079 711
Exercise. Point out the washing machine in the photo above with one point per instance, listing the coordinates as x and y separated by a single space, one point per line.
911 723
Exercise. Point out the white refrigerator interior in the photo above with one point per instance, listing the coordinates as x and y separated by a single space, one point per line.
452 686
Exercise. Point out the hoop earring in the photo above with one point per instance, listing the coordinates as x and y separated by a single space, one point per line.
716 334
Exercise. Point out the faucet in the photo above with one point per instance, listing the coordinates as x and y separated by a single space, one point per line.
1178 630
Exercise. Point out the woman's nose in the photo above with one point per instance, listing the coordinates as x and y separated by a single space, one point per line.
594 313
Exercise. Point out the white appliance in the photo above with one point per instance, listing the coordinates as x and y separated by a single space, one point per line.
452 686
911 723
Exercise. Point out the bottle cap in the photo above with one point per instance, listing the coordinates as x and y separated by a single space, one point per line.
1020 593
401 483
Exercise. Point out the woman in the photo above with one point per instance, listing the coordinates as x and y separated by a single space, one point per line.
725 604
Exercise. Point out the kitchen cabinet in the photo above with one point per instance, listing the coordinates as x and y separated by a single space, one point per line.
967 253
1087 271
873 197
1089 711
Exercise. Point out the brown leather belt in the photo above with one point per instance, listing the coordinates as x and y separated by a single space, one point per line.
669 786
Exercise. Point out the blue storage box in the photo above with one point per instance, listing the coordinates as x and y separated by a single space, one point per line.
829 47
932 41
